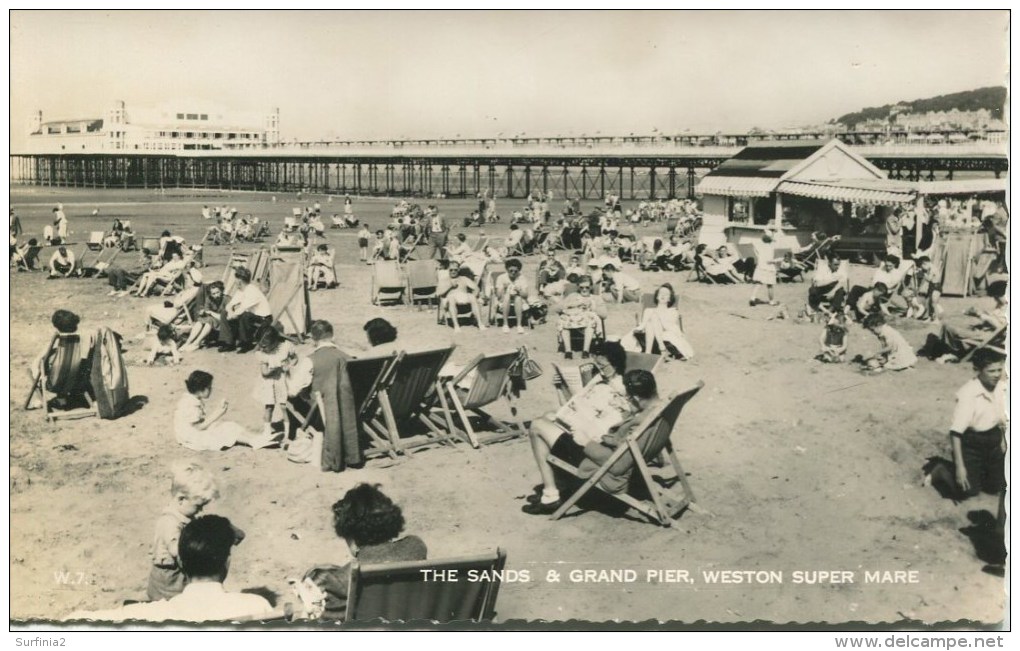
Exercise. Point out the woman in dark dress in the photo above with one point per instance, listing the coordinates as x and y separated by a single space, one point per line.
369 522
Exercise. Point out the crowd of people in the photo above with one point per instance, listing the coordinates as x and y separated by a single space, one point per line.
583 272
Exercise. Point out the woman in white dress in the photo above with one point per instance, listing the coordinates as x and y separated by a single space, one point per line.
660 325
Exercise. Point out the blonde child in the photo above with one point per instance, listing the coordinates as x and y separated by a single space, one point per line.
276 356
198 430
191 490
895 354
165 346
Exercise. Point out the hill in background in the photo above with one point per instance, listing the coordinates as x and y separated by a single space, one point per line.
992 98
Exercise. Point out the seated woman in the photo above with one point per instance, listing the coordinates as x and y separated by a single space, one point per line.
461 300
168 273
660 331
588 454
208 307
370 523
320 268
952 343
583 311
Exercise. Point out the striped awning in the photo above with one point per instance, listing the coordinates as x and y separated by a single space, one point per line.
738 186
962 186
860 193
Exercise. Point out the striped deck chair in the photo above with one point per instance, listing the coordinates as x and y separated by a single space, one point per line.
482 382
647 442
236 260
63 376
408 395
422 281
366 374
402 591
387 282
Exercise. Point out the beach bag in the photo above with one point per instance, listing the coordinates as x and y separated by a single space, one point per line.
109 375
305 447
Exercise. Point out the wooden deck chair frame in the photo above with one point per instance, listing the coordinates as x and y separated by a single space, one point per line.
305 420
387 279
540 242
666 504
401 591
368 405
84 259
422 275
102 263
398 409
987 342
41 380
492 373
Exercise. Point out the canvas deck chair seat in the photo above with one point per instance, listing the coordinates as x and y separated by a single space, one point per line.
388 283
479 384
288 294
401 592
150 245
62 378
422 281
408 395
668 497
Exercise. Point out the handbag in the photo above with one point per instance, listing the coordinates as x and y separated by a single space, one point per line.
530 369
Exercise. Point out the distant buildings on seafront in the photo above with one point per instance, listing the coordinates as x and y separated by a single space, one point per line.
154 130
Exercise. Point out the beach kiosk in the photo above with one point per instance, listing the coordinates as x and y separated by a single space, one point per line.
798 186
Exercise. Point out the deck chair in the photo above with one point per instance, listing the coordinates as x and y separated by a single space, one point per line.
482 382
647 442
64 374
95 240
86 257
516 250
236 260
313 420
408 395
387 282
29 260
99 266
995 341
150 245
422 281
288 294
366 375
811 256
642 362
540 242
165 286
403 591
480 243
326 282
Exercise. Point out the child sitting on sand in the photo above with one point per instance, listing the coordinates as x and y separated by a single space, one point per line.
895 354
276 356
197 430
833 339
164 347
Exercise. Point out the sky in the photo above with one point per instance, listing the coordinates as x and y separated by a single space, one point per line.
429 74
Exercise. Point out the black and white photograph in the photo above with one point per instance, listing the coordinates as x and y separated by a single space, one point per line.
510 319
